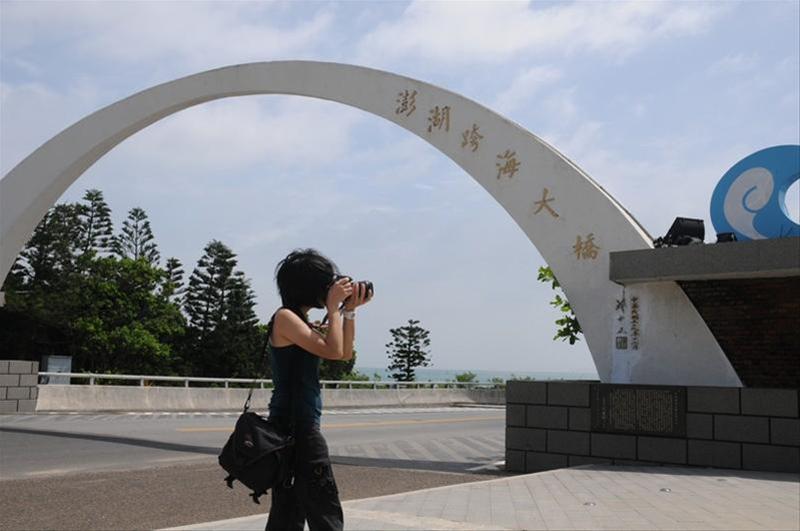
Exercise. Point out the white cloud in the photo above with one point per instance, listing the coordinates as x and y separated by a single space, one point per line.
735 64
525 86
34 112
195 33
468 32
233 134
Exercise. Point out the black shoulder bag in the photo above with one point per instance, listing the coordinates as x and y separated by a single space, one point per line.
258 453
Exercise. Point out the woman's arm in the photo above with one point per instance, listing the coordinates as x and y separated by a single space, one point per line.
358 298
291 328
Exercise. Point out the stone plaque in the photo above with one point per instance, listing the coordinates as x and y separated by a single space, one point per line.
639 409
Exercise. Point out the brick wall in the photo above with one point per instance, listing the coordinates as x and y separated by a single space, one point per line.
18 386
549 425
757 324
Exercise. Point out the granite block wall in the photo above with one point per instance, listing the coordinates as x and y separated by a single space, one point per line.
550 425
18 386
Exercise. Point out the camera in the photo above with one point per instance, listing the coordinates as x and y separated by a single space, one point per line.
366 284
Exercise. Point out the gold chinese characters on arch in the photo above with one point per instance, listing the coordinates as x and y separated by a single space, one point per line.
585 249
439 117
508 164
471 138
544 204
406 102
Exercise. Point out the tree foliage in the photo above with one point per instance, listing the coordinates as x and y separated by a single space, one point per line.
466 377
568 328
97 229
78 290
136 240
408 350
219 302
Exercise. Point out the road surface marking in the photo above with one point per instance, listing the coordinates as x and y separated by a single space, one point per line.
362 424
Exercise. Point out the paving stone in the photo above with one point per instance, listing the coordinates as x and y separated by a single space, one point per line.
515 461
662 450
526 439
770 458
615 446
20 367
785 431
538 461
525 392
15 393
568 394
515 415
550 417
568 442
743 429
715 454
9 380
28 380
580 419
712 399
770 402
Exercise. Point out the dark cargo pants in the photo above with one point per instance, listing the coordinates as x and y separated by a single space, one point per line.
314 495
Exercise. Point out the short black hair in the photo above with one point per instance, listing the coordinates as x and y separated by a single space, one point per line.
304 278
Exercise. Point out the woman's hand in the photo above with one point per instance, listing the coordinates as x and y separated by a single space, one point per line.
359 297
338 292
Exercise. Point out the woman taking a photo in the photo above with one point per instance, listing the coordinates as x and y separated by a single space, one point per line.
306 280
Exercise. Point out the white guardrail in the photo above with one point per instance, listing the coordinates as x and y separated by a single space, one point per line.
325 384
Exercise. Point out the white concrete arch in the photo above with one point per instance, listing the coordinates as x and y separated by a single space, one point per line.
574 228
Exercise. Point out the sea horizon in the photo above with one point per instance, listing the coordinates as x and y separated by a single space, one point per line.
425 374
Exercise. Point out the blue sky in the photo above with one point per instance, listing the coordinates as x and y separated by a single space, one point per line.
654 100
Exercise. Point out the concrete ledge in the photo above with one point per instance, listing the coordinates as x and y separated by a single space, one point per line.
752 259
55 397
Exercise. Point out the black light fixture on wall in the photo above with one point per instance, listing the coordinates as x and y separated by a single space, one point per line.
684 231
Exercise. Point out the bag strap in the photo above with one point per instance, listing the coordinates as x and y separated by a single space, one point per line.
264 357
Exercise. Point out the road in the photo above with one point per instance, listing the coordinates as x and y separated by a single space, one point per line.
145 471
438 439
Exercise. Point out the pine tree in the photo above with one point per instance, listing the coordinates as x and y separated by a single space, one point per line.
172 286
220 305
209 287
241 301
136 241
407 350
53 248
96 223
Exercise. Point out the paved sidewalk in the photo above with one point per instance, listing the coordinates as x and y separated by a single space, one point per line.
588 497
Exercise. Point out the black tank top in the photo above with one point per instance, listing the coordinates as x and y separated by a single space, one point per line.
296 395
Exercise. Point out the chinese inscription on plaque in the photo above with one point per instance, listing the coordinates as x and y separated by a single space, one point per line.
639 409
585 249
635 323
439 117
621 340
406 102
508 165
542 204
471 138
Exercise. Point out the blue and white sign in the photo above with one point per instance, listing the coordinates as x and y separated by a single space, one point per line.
750 199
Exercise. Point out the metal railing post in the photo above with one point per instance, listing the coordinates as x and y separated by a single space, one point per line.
91 380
